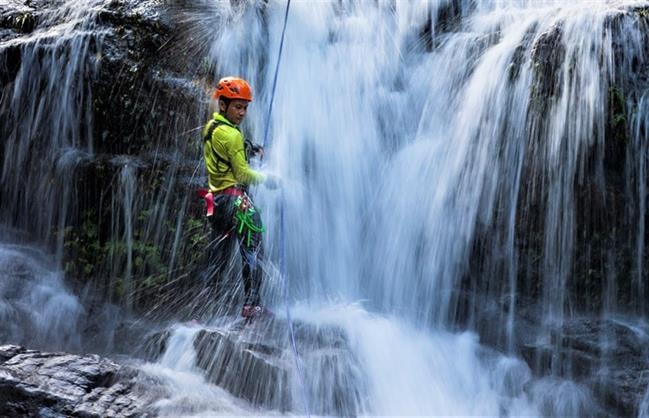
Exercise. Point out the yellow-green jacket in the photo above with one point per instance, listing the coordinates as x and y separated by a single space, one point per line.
225 156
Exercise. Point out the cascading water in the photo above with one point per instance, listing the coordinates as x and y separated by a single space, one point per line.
403 154
36 308
637 184
443 164
61 180
192 395
47 118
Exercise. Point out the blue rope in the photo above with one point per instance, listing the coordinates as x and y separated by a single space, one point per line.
282 267
282 233
279 58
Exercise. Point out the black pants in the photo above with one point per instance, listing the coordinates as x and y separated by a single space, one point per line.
227 234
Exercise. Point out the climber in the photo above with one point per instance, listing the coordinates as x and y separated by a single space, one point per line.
234 217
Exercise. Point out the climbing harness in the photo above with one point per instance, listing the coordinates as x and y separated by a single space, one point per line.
249 147
282 234
244 211
208 136
208 196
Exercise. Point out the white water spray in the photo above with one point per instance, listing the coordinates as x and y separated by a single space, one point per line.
400 154
47 117
403 144
35 306
189 393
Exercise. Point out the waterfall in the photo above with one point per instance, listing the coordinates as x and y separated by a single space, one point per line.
426 156
91 190
637 176
124 221
451 187
429 148
402 370
46 114
35 306
190 394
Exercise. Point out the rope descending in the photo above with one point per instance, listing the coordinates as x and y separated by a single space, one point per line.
282 261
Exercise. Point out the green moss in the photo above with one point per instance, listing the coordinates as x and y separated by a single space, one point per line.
88 257
617 107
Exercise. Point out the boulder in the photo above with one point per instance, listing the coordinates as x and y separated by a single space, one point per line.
256 362
608 356
34 383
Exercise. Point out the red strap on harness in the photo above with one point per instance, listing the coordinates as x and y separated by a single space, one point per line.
208 196
232 191
209 201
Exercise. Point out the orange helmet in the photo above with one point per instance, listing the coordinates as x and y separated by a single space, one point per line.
233 88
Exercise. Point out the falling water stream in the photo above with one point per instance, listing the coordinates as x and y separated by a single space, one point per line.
36 308
50 94
396 148
404 133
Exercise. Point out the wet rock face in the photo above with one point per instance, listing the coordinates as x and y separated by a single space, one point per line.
134 112
15 19
613 358
136 91
255 372
138 96
34 383
609 357
131 81
256 362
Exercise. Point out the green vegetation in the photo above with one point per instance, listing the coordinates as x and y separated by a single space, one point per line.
617 108
88 256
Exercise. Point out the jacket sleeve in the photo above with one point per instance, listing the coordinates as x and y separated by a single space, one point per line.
237 157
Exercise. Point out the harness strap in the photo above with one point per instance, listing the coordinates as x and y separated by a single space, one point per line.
208 136
232 191
208 196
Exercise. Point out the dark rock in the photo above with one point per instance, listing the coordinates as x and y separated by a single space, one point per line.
141 106
9 63
34 383
256 362
245 370
621 375
18 17
9 351
449 16
149 96
154 346
548 55
518 59
609 357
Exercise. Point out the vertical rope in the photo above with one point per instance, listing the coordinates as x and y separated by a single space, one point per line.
282 233
272 92
296 355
